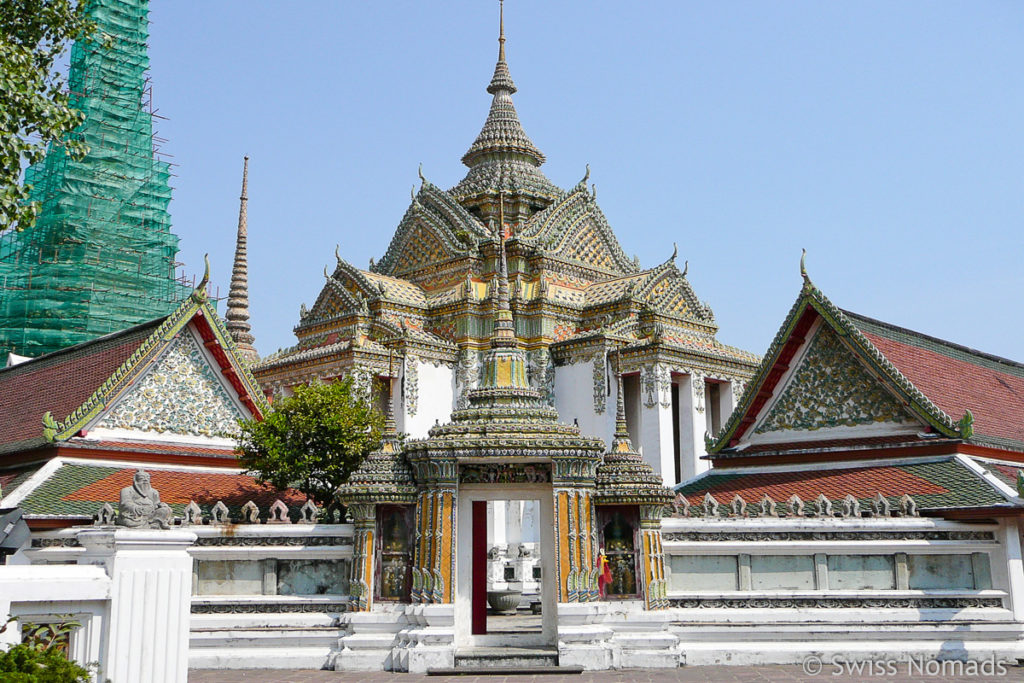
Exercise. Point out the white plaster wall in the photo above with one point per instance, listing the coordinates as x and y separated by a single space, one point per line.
436 397
658 448
574 399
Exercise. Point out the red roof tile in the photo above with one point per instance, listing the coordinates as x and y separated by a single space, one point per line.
860 482
60 382
956 384
179 487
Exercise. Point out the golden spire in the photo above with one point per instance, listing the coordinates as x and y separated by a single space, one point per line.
504 328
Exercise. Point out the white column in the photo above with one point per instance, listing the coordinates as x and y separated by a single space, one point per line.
656 437
150 601
692 425
1014 568
514 524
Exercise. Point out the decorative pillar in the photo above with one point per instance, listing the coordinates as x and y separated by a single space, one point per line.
150 601
655 585
434 564
361 582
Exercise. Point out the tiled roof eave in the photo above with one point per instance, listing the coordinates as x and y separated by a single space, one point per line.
811 449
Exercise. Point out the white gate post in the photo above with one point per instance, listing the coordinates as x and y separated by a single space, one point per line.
150 605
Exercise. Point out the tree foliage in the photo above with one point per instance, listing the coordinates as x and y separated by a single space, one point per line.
35 109
312 440
41 657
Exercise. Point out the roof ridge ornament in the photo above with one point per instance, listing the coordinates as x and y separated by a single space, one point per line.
803 267
199 293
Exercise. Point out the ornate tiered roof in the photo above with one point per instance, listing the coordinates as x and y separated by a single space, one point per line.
572 288
506 418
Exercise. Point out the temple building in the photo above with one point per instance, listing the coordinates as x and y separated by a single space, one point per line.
866 497
855 493
101 256
576 300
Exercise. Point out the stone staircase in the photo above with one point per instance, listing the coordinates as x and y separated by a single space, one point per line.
505 661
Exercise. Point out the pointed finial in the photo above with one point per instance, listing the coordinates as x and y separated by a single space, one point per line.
686 268
206 273
337 253
245 178
593 191
501 30
419 171
326 274
412 193
502 80
675 252
803 266
586 176
237 314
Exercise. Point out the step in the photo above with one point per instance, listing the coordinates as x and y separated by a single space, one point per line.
505 661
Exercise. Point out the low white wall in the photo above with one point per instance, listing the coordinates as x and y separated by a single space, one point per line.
778 590
41 595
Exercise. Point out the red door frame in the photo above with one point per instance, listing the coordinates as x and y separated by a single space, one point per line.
478 603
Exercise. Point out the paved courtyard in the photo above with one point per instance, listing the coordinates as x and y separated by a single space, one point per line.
692 674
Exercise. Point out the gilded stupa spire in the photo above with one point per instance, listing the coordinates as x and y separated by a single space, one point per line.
621 442
237 314
505 363
504 335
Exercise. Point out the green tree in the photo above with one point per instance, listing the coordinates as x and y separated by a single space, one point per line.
41 657
312 440
36 108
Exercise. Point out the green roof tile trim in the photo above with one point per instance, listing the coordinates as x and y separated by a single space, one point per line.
147 353
963 488
812 297
46 499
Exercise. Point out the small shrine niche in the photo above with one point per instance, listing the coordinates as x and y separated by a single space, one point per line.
618 528
394 553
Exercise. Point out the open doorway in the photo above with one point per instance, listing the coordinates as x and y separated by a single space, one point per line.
503 568
513 577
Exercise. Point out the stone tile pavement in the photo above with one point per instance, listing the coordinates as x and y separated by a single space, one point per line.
690 674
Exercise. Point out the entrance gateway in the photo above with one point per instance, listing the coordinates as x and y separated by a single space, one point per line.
419 558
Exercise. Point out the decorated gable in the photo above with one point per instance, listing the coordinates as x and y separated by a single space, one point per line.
830 389
180 393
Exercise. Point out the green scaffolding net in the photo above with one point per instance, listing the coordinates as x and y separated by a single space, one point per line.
101 256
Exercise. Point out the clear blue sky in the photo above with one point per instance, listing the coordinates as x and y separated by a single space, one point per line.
885 137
